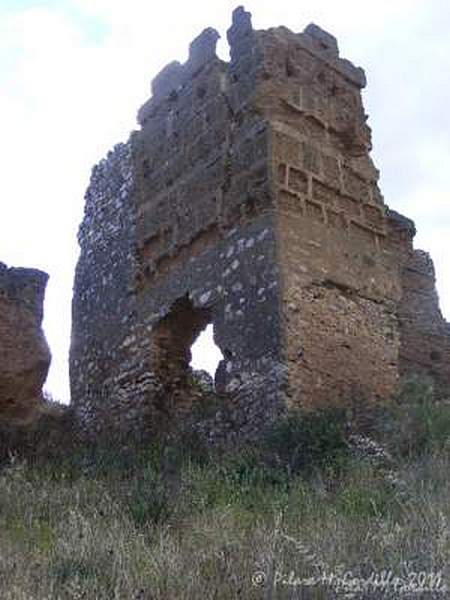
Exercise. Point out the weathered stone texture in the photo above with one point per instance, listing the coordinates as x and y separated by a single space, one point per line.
24 354
247 199
339 288
424 333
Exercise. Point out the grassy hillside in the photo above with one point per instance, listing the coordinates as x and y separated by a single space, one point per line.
315 511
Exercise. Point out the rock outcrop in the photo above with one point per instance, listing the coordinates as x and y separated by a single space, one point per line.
24 353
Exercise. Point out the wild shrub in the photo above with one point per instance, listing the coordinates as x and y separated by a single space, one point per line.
304 441
417 423
147 498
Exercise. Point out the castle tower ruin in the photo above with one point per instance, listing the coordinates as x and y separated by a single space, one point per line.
248 200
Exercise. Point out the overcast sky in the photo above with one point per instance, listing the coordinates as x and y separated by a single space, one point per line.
74 72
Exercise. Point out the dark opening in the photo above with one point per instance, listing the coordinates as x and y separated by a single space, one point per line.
183 340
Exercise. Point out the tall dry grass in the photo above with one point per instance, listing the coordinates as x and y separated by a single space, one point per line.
163 522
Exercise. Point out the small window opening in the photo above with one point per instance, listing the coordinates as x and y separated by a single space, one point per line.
206 355
182 341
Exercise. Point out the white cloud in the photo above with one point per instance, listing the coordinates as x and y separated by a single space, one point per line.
67 97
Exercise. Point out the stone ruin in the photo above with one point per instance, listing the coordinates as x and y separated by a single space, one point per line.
248 200
24 354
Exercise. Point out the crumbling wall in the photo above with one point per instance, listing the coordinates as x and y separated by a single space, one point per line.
24 354
247 199
340 286
424 333
105 372
195 225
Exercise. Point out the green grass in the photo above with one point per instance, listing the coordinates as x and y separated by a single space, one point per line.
165 521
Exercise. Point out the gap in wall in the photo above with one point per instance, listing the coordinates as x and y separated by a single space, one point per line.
206 355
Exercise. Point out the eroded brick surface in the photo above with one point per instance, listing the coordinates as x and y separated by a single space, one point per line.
247 199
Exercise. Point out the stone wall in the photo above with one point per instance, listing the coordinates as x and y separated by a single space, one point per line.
340 286
24 354
424 333
247 199
185 239
104 369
